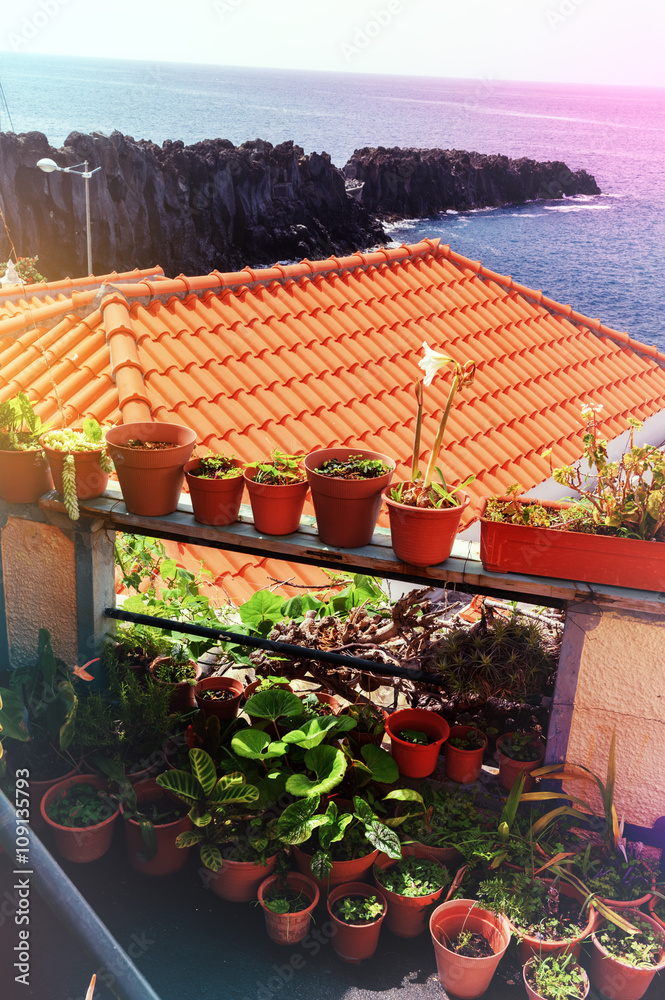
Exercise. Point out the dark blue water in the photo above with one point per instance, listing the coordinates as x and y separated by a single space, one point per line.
604 255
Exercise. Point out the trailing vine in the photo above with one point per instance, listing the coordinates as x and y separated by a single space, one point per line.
69 487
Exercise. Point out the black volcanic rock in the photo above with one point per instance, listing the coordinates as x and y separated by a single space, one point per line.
189 208
417 183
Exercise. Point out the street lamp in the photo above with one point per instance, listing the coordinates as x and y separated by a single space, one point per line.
48 166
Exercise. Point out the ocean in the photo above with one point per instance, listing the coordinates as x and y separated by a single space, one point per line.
605 255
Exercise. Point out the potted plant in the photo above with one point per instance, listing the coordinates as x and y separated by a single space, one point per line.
149 458
219 696
154 818
346 488
277 489
81 815
24 470
555 977
469 942
79 463
236 848
215 486
370 722
288 902
465 747
265 683
177 669
425 515
623 964
357 912
416 737
609 536
517 753
39 721
411 886
436 820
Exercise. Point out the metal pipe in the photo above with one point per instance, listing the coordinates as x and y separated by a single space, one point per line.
86 176
274 646
63 897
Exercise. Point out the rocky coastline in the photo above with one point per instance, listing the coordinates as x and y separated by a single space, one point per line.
213 205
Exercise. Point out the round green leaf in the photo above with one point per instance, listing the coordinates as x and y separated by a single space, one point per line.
327 763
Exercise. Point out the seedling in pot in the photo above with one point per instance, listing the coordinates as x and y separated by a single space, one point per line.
280 470
524 747
353 467
216 467
413 877
467 741
556 977
80 806
358 909
415 736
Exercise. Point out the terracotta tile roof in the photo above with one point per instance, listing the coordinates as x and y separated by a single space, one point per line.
326 352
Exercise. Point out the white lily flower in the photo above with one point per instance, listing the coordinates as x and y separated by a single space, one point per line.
432 362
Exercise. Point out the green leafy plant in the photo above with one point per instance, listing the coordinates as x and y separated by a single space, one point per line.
178 668
283 898
216 467
436 818
80 805
522 746
280 470
515 509
413 876
556 977
353 467
20 426
358 909
472 740
368 718
415 736
26 269
643 949
89 438
438 495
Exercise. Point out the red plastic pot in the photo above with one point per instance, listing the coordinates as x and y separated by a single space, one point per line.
346 509
276 509
214 501
255 685
412 760
571 555
464 766
226 708
79 844
151 481
510 769
420 536
238 881
407 915
467 977
91 480
354 870
24 476
169 858
289 928
617 980
532 995
652 912
355 942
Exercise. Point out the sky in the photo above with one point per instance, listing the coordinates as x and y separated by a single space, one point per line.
562 41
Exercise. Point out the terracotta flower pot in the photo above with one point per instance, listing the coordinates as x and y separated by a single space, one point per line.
535 946
510 769
353 870
464 766
289 928
422 536
169 858
276 509
617 980
355 942
255 685
238 881
416 761
91 480
79 844
151 481
24 476
571 555
346 509
225 708
214 501
653 902
531 993
407 915
183 694
467 977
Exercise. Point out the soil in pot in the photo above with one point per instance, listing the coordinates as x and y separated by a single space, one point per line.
422 536
149 458
461 975
81 820
346 491
416 759
411 886
623 965
216 486
517 753
357 912
219 696
288 906
464 754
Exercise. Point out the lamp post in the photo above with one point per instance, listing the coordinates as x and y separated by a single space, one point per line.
48 166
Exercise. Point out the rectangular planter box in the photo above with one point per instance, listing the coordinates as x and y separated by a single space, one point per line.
571 555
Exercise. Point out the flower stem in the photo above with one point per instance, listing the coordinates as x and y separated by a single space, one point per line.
429 475
416 438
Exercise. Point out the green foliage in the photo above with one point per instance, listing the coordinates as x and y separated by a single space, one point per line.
643 949
413 877
20 426
556 977
435 817
359 909
80 805
280 470
26 269
89 438
353 467
524 747
216 467
435 496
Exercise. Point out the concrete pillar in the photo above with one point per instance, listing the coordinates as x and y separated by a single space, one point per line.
612 678
54 574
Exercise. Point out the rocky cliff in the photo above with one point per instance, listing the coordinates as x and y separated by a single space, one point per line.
416 183
214 205
188 208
